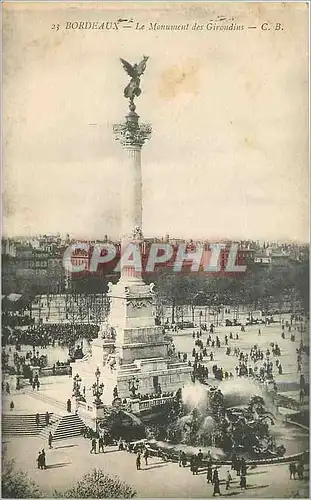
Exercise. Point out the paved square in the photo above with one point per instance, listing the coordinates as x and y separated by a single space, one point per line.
69 460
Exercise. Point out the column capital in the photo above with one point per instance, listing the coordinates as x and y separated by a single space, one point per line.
130 133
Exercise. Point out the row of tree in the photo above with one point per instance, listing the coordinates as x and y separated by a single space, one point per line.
257 289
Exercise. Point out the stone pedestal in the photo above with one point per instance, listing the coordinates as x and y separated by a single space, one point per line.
131 345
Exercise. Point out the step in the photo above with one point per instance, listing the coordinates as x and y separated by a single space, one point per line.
44 433
68 426
23 424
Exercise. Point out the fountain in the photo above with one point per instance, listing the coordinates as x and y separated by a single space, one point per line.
237 417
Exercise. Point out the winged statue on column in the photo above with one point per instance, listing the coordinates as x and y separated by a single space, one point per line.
133 89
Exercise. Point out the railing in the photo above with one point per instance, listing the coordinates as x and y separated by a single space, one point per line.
86 406
150 403
59 370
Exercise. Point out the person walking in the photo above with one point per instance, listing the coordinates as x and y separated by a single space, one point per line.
238 466
215 475
196 464
192 464
93 449
184 459
101 444
146 455
209 475
300 470
243 482
228 479
39 460
243 467
294 470
69 405
200 459
233 461
50 440
302 381
47 418
43 459
216 483
138 461
11 406
37 419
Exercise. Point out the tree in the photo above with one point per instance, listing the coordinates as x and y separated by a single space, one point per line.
16 483
175 289
98 484
302 285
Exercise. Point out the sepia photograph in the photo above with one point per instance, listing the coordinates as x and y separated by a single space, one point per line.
155 250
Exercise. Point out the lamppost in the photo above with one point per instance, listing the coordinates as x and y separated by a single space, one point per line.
76 386
133 386
98 389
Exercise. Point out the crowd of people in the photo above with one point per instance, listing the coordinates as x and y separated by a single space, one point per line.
296 468
43 335
22 362
259 364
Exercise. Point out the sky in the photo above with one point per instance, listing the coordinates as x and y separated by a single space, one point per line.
228 157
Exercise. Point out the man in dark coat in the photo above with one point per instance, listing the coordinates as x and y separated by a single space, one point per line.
200 458
47 418
50 440
209 475
93 446
193 464
43 459
138 462
216 483
39 460
101 444
69 405
146 455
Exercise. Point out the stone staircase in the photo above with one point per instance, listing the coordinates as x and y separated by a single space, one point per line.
66 427
23 425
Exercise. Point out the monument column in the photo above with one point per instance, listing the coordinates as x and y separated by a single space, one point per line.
132 135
